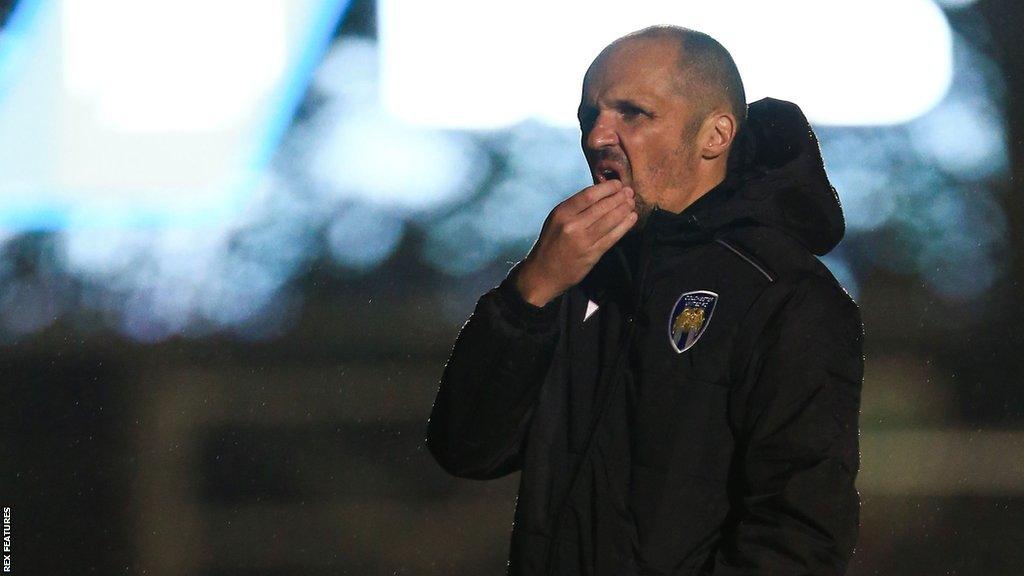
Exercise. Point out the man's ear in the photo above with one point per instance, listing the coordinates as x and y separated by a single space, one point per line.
720 130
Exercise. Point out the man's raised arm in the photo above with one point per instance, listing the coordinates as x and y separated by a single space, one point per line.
492 380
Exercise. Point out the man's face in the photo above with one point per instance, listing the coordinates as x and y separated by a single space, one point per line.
636 124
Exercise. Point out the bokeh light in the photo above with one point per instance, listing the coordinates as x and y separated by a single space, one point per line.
351 178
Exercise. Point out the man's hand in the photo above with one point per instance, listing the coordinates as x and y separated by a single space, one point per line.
575 235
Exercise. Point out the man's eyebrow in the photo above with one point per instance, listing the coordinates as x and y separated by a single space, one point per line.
628 103
587 108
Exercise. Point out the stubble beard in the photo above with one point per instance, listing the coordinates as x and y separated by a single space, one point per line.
643 210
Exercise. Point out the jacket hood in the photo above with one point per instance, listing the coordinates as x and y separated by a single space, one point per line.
775 177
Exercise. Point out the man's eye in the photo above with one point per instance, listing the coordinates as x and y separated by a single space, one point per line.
631 112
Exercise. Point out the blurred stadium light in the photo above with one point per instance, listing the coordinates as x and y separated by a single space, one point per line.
148 112
847 63
138 160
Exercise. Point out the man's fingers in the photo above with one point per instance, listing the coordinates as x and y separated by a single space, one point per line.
602 207
609 221
583 199
604 243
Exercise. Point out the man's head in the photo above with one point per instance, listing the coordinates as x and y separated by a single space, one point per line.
660 109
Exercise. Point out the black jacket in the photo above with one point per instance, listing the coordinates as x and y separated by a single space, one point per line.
704 418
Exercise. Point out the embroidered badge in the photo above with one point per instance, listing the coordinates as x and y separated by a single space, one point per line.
689 318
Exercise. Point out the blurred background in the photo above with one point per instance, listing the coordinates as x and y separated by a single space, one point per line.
238 239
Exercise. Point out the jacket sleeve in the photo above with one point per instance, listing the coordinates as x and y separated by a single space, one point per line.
491 383
798 445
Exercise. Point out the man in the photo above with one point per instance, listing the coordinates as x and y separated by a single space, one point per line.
672 369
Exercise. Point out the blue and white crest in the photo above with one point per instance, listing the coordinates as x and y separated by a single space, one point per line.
689 318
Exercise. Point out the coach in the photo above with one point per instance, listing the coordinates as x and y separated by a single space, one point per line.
671 367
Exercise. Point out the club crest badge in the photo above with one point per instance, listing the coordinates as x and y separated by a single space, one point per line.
689 318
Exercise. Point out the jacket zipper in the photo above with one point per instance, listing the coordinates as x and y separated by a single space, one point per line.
644 254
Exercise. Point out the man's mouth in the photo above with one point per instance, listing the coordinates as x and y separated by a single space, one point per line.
606 173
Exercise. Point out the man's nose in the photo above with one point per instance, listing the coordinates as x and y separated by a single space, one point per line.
602 134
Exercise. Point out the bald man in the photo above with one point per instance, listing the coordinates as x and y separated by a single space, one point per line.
672 369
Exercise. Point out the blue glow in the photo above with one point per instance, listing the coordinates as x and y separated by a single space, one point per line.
962 231
964 135
318 40
353 150
363 236
347 181
866 194
514 212
456 246
80 148
14 36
